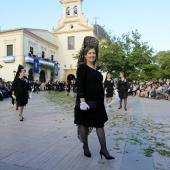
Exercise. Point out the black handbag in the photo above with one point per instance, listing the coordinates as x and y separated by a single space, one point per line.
92 104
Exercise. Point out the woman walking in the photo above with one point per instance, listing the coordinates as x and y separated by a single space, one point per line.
90 108
109 88
123 86
20 90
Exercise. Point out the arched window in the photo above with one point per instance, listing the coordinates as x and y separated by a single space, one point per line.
68 11
75 10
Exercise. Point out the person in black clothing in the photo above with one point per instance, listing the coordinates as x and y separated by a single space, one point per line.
37 86
74 87
68 88
123 86
90 108
109 88
20 89
49 86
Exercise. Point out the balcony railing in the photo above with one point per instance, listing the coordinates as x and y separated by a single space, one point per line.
30 59
8 59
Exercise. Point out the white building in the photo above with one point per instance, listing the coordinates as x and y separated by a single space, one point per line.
22 46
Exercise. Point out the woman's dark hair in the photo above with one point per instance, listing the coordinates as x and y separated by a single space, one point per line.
122 72
86 50
107 75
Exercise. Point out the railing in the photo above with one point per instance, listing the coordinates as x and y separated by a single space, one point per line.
30 59
8 59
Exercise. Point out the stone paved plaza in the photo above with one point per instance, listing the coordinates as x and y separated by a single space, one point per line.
47 138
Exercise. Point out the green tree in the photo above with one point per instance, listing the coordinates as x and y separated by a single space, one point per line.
162 59
125 53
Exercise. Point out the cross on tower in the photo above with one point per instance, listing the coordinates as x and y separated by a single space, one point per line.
96 18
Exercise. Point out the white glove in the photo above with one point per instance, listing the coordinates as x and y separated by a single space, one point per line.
106 106
84 106
14 97
105 92
128 90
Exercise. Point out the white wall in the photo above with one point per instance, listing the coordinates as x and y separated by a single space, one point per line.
65 55
15 38
21 44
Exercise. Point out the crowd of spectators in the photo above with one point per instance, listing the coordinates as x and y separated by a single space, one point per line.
151 89
5 89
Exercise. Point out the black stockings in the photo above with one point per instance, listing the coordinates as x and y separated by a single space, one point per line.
101 136
125 103
102 140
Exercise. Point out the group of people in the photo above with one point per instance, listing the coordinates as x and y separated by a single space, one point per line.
5 89
34 86
122 86
59 86
156 90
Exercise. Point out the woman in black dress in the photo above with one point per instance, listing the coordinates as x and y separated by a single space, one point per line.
123 86
20 89
109 88
90 107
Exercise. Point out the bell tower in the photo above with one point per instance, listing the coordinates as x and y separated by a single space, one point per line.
72 17
71 29
71 8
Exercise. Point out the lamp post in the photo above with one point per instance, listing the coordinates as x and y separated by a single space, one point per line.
14 73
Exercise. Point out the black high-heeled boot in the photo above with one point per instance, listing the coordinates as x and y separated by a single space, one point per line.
107 157
86 152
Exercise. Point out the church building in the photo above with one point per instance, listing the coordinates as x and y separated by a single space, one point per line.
53 51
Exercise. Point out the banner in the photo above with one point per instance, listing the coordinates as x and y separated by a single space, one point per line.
56 69
36 66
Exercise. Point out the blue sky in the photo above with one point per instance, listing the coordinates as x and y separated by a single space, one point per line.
150 17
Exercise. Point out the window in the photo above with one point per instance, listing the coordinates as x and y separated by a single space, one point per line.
52 57
68 11
43 54
31 50
71 43
75 11
9 50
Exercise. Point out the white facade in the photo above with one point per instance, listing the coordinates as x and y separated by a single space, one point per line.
22 40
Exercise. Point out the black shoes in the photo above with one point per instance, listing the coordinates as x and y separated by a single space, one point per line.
107 157
120 107
124 108
87 152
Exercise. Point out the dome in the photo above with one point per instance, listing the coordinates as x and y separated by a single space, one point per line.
99 31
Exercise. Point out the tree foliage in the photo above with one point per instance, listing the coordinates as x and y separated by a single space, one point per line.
127 53
162 58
